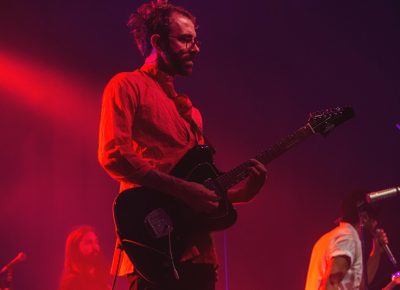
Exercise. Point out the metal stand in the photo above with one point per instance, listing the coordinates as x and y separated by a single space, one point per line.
363 248
6 280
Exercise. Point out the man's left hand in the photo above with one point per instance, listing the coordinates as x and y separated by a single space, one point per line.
380 239
252 185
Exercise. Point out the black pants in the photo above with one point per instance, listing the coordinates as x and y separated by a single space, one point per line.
191 277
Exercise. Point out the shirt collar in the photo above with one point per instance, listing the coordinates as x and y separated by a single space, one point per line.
152 70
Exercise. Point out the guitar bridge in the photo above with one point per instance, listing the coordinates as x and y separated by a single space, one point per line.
158 223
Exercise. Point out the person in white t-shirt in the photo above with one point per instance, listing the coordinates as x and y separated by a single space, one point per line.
336 260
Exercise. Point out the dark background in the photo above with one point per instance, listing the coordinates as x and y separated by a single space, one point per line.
263 66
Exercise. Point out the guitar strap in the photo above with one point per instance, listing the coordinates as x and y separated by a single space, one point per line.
196 128
184 107
182 102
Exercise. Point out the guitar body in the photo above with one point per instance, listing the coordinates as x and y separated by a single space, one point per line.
149 222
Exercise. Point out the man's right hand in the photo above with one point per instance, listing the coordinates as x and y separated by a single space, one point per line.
199 198
193 194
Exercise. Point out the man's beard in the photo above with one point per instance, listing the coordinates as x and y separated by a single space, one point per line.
177 63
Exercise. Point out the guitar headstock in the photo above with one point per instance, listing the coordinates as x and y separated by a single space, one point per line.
325 121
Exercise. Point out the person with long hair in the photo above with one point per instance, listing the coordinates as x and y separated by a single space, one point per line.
84 264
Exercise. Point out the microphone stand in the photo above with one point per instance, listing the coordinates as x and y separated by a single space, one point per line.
6 280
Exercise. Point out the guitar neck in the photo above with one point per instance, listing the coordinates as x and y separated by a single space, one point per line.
240 172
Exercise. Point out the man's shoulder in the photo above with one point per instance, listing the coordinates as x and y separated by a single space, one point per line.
128 77
338 232
345 229
344 236
132 82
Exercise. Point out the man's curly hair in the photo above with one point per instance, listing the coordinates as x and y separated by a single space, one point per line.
153 18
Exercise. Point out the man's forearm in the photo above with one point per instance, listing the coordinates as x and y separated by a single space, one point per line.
193 194
165 183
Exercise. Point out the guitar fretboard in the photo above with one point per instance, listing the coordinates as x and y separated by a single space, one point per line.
240 172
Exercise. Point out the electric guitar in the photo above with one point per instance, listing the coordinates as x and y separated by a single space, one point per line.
153 227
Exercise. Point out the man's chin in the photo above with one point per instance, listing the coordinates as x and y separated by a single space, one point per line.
186 70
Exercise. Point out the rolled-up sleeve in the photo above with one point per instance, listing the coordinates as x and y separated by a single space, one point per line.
115 151
342 245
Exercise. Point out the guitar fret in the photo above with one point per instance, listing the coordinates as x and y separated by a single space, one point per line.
240 172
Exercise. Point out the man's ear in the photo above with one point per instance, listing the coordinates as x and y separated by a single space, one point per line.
155 41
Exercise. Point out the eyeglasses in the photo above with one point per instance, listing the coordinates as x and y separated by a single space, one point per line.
189 41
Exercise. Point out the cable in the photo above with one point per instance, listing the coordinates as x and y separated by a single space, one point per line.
117 268
226 260
176 274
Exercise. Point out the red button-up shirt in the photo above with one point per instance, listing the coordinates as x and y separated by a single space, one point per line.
140 130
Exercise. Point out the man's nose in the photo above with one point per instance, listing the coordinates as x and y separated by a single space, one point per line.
195 48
